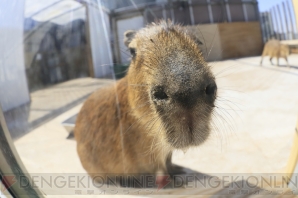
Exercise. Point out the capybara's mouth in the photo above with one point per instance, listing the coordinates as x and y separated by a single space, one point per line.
184 130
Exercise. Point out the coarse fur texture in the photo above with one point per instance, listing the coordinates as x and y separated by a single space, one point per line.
274 49
164 103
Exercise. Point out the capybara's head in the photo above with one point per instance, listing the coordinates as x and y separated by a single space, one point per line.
171 88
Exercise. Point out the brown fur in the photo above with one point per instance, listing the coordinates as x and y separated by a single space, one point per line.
128 36
274 49
129 127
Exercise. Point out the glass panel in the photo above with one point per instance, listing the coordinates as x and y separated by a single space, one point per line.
93 90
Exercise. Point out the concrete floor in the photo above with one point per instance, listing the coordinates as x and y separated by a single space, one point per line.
49 102
253 130
58 96
258 111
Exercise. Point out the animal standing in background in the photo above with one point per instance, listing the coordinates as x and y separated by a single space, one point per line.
274 48
165 102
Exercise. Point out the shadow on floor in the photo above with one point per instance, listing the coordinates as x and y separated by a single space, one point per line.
270 68
193 183
18 123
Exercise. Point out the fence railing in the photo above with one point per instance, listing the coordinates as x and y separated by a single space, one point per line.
191 12
279 23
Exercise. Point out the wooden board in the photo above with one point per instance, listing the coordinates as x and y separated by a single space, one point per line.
229 40
240 39
292 163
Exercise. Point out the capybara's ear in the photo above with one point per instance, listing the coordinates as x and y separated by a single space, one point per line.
128 36
198 41
195 38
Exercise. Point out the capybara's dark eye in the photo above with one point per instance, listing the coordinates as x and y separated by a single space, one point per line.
132 52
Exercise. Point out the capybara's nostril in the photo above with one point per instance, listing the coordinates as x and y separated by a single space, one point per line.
159 94
211 89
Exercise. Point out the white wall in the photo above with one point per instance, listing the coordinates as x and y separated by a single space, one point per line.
100 42
13 84
134 23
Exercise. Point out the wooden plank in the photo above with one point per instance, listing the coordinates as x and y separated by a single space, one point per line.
240 39
292 163
290 42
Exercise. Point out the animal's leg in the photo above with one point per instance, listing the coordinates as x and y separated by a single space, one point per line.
287 61
263 54
173 169
271 60
261 60
277 58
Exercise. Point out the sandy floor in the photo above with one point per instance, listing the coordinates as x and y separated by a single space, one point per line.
253 130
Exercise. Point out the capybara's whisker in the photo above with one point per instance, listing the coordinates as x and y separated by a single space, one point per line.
139 106
141 85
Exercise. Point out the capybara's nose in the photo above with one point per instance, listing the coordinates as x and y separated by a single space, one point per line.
186 96
158 93
211 89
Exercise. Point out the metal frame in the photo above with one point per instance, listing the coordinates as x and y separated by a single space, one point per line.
285 17
228 11
210 12
192 18
245 12
11 165
191 3
275 25
280 20
281 23
278 24
291 20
